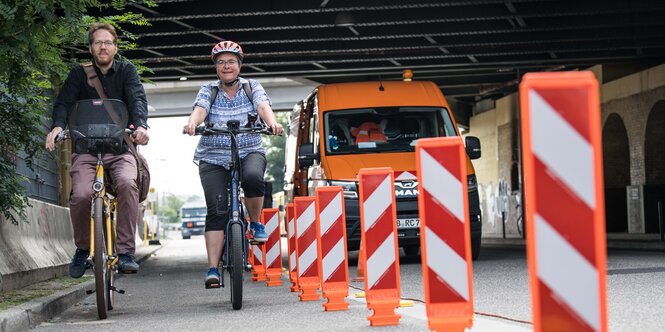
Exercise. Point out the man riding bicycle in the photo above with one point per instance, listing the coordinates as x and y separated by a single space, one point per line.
120 80
213 153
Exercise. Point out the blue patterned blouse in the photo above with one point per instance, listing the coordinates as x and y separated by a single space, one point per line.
216 149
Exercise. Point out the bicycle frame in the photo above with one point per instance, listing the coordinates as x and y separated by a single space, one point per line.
235 214
104 263
230 261
99 190
102 214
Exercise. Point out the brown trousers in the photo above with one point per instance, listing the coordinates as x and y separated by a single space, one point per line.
123 171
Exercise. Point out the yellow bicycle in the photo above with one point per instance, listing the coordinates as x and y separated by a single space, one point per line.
97 137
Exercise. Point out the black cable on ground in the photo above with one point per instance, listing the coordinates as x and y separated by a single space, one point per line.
475 312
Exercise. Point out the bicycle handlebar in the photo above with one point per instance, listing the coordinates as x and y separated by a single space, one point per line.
65 134
204 131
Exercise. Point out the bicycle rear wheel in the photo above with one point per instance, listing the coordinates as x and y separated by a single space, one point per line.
235 264
99 258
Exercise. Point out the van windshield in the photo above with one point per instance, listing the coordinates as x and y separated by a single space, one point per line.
386 129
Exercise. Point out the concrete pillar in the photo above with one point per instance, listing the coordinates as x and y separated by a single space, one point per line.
635 201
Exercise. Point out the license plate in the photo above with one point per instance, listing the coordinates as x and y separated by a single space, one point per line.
408 223
200 223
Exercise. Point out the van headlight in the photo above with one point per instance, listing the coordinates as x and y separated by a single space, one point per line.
350 188
472 183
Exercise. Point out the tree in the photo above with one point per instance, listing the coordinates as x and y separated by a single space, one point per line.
168 210
38 43
275 155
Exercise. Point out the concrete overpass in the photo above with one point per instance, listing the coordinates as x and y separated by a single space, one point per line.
175 98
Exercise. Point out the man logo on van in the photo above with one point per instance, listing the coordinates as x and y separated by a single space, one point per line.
406 189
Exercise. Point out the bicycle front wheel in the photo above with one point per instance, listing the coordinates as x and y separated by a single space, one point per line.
235 264
99 258
110 273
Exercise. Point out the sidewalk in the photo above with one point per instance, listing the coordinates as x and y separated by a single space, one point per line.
30 314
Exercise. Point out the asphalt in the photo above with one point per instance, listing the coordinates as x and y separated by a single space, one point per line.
30 314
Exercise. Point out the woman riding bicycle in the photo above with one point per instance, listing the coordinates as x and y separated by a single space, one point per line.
213 153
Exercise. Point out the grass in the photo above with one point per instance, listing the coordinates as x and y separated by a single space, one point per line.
45 288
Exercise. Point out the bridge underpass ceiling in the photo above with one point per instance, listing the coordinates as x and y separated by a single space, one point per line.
474 50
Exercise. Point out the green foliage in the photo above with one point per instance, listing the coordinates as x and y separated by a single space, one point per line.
168 210
38 41
275 155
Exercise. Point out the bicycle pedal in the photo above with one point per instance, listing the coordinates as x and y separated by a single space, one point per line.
119 291
248 267
215 285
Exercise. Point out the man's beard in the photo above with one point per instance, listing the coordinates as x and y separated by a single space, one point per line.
101 62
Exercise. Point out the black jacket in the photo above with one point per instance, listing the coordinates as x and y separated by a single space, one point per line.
121 82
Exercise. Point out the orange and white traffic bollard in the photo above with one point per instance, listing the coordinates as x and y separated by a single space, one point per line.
378 219
306 249
565 212
258 265
291 245
273 247
445 239
332 257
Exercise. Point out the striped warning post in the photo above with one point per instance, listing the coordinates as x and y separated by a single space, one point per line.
258 262
405 175
378 219
445 240
291 245
273 247
332 253
565 210
306 248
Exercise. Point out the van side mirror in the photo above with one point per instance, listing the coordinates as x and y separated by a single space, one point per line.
472 147
306 155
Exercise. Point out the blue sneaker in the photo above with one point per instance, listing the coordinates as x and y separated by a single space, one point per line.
79 263
212 278
258 231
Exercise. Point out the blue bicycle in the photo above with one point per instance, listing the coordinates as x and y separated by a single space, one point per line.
234 255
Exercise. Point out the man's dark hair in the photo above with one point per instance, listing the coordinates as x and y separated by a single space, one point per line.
98 26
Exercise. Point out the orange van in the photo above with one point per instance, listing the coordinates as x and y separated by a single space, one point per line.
340 128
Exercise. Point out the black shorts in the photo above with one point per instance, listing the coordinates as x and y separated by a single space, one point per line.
215 180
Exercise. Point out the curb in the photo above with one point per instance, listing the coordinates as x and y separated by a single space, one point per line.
32 313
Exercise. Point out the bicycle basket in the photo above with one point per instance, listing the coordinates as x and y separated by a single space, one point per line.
98 125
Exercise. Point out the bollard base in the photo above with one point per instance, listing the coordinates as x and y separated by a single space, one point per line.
335 293
273 278
258 274
452 324
294 282
309 292
336 304
384 314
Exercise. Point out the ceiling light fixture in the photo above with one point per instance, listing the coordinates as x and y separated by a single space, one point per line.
344 19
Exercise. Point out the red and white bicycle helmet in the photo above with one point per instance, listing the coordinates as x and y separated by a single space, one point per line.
227 46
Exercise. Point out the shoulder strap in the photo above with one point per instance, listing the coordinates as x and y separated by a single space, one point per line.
248 90
213 94
93 80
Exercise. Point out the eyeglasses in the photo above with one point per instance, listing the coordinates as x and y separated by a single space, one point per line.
229 62
107 43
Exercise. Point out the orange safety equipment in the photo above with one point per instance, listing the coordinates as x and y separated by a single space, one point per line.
368 132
